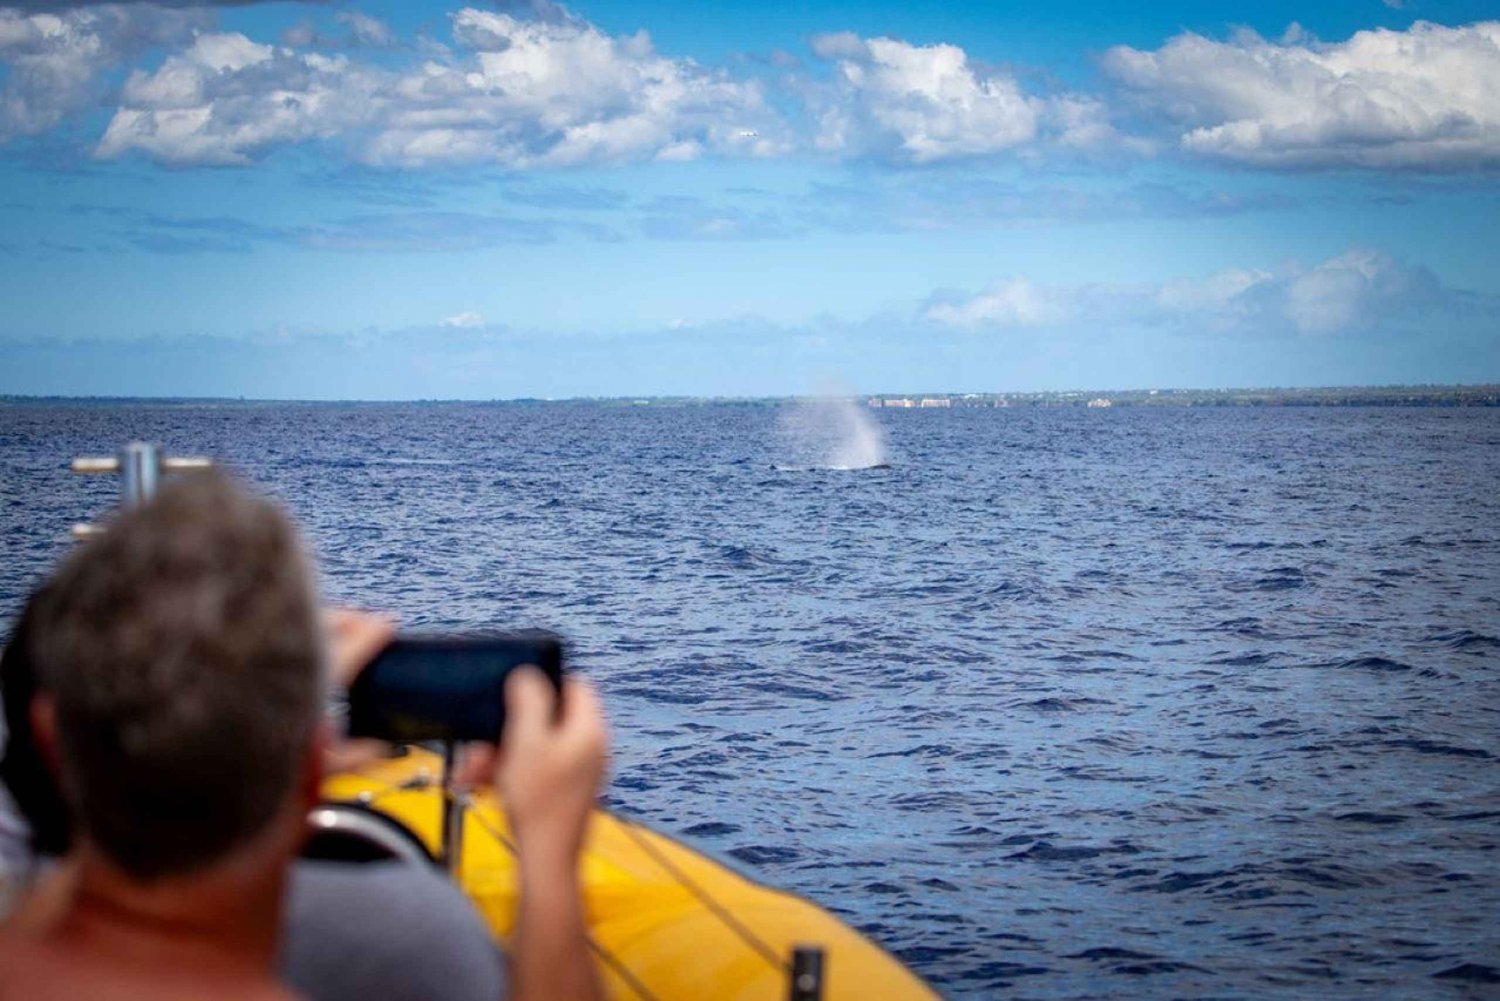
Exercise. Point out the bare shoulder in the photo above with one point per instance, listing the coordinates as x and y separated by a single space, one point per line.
38 970
24 961
34 970
13 953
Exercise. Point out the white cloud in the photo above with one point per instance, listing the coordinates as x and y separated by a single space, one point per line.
1228 300
925 103
1016 302
1426 98
552 90
559 92
1216 292
1357 291
54 61
225 100
464 320
519 93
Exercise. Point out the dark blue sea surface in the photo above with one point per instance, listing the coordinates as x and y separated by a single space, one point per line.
1065 703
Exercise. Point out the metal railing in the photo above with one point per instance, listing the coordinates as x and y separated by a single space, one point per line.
140 467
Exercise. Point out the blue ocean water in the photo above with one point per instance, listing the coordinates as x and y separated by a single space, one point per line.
1063 704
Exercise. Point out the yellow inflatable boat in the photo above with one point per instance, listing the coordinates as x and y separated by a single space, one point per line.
666 922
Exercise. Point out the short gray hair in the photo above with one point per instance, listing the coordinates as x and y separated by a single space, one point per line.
184 655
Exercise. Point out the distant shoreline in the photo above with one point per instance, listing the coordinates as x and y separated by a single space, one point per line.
1484 395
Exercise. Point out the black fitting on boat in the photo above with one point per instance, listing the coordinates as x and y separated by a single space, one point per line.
807 973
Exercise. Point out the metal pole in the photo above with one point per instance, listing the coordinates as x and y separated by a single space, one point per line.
453 815
140 472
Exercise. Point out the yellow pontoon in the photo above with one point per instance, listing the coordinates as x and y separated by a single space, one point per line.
666 922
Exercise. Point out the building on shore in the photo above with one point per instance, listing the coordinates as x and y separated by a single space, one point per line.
903 403
1101 402
936 401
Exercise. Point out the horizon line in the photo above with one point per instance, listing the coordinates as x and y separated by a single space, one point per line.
1148 391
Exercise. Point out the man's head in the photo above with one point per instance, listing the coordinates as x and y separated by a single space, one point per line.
182 656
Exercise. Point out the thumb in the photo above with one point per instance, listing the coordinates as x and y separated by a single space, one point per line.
528 703
580 705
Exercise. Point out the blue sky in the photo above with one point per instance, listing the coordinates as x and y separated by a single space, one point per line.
423 200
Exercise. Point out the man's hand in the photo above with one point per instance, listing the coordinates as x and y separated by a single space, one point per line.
550 764
354 639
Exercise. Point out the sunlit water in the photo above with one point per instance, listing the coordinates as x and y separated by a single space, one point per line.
1063 704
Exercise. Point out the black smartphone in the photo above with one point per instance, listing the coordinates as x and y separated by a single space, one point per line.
423 688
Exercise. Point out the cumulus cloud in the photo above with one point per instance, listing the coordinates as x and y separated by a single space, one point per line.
533 86
1357 291
559 92
1016 302
225 99
924 103
1427 98
54 61
553 91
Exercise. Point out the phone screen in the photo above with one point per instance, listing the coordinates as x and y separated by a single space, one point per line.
445 688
